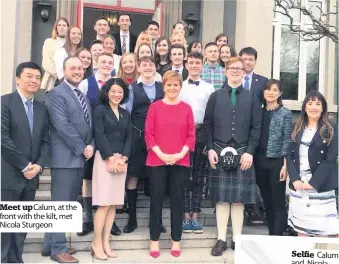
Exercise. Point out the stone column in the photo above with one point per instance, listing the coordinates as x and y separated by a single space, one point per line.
254 28
172 12
16 25
212 20
69 10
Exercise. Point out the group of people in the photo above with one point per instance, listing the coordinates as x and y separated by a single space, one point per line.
151 107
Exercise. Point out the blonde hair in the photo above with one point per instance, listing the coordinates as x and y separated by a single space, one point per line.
143 34
177 34
55 30
121 73
172 75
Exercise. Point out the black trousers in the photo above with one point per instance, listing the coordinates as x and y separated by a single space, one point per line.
12 244
273 193
178 177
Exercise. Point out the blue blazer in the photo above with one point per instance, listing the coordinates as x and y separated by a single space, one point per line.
257 85
323 162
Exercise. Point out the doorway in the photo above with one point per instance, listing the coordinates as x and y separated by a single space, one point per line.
139 22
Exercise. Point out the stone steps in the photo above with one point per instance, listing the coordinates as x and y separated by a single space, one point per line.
139 239
188 255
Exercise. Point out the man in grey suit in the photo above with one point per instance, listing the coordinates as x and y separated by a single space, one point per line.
71 145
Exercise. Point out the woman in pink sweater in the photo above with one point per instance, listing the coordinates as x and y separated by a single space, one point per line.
170 135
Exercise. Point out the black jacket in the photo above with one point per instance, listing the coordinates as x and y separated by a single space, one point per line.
18 145
257 85
110 134
241 123
132 43
322 158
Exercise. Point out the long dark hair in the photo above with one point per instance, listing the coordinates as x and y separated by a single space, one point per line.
326 130
156 54
89 70
268 86
232 50
193 44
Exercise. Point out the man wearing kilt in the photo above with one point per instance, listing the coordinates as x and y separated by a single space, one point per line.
195 92
143 93
233 128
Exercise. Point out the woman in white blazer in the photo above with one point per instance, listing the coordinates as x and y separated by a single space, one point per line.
50 45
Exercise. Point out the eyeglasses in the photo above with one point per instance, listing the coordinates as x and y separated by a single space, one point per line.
235 69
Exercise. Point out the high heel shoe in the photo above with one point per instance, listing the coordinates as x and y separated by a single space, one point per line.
110 254
96 257
154 254
175 252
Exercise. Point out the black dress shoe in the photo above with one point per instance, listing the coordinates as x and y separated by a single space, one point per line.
115 231
163 229
87 228
130 227
233 245
218 248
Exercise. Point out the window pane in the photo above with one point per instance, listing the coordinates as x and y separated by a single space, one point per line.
336 73
289 63
295 13
144 4
312 73
314 7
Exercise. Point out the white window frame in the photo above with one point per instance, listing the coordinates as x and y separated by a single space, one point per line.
277 23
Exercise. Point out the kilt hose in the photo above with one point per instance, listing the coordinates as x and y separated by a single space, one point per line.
199 171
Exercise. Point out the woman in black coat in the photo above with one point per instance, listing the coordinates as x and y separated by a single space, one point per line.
313 172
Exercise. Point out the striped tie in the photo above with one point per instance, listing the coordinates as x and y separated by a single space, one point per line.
83 103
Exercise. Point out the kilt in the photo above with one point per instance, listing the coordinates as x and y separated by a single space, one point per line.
88 171
234 186
137 162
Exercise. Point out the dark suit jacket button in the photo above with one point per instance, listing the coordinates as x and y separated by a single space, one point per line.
321 151
293 160
318 162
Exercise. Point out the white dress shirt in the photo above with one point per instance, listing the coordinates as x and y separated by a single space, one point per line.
178 69
197 97
83 86
59 56
249 80
127 40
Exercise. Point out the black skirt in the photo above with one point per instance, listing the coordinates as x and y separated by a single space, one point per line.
234 186
137 162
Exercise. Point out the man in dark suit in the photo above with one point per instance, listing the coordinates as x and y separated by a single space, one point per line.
71 145
24 149
255 83
125 41
252 81
177 55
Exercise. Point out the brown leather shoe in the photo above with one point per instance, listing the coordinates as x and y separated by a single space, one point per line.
70 251
65 258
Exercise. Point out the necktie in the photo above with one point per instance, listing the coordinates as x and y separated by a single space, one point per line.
247 83
123 44
30 114
233 96
83 103
193 82
102 83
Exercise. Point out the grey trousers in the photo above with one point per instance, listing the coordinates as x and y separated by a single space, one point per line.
66 184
